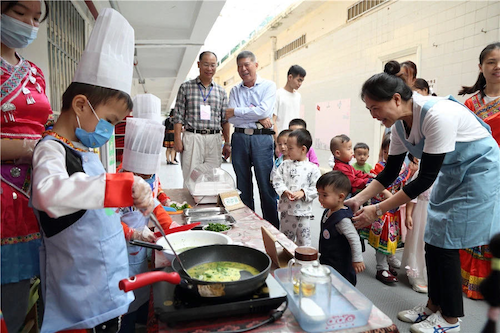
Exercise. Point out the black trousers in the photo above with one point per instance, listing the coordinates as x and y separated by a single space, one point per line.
444 280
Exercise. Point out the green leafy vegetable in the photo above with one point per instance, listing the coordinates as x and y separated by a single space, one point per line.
179 206
218 227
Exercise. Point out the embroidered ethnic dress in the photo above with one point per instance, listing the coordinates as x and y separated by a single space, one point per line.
24 113
385 233
476 261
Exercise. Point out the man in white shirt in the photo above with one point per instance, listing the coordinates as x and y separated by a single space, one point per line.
288 100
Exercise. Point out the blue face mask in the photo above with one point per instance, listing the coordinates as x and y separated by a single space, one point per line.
151 182
99 136
17 34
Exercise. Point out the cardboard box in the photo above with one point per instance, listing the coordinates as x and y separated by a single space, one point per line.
278 253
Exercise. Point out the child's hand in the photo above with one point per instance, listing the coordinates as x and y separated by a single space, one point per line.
386 194
358 266
144 234
298 195
288 194
409 222
142 195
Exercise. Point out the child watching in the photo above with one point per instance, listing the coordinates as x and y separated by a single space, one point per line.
282 139
298 123
339 242
295 183
341 148
361 154
384 234
83 254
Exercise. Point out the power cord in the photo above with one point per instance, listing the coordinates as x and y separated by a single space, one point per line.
274 316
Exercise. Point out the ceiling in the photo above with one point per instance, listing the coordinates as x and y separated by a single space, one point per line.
168 38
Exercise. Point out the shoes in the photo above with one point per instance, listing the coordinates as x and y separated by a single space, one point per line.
169 162
419 288
386 277
174 163
393 270
415 315
435 323
394 261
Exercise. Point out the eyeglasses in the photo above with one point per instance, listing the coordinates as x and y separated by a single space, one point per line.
209 65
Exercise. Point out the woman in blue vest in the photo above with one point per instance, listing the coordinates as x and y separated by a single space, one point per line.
459 155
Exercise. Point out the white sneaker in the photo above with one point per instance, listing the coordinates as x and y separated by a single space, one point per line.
394 261
435 323
420 288
415 315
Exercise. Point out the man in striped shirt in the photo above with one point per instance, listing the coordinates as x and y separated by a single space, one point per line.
200 108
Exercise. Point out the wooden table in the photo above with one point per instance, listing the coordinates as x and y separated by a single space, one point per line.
247 231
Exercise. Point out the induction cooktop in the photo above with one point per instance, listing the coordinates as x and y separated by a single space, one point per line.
174 304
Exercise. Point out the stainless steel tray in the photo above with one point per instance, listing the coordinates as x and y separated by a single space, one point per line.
204 212
205 220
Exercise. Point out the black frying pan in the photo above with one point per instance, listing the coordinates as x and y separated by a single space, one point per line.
223 252
205 254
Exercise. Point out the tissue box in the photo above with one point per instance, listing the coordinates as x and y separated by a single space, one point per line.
349 307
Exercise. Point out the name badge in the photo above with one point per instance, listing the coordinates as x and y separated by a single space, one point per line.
205 112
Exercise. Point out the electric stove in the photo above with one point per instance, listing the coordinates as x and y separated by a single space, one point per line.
174 304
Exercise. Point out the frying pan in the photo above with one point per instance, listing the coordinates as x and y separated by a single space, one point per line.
205 254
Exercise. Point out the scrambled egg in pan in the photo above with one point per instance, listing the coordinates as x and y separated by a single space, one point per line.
220 271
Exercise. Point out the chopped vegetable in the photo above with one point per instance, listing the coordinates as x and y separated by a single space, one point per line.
179 206
218 227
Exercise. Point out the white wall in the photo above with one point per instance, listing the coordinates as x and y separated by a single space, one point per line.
444 37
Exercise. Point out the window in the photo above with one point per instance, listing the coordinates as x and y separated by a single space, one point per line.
290 47
362 7
66 42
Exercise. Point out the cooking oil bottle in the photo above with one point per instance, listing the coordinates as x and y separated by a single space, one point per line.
304 256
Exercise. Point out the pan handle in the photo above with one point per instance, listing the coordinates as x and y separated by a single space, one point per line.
146 244
144 279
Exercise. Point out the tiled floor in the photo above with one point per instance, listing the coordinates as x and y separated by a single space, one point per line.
390 299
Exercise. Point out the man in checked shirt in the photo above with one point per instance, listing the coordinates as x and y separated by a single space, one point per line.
200 108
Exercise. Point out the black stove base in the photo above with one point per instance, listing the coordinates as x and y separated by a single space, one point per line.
173 305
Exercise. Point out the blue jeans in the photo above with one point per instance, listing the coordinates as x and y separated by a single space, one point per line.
256 151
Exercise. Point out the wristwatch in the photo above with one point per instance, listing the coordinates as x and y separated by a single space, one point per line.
378 211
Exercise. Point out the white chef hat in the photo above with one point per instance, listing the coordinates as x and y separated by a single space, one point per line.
108 59
147 106
143 143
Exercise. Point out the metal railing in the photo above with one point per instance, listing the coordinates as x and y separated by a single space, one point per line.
66 42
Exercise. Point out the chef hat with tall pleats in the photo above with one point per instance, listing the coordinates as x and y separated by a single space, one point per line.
147 106
143 144
108 58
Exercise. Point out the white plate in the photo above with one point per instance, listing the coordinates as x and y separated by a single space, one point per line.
183 240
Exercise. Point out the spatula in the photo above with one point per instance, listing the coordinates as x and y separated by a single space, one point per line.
158 226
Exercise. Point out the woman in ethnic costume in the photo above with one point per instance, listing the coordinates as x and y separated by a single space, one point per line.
459 155
25 110
486 105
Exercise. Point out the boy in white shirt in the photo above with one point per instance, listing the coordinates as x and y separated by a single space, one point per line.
287 105
295 183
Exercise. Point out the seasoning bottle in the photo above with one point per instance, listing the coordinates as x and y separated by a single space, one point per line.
304 256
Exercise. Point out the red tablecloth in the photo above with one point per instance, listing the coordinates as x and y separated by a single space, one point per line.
247 231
